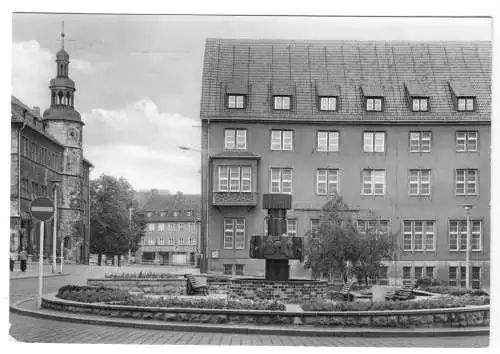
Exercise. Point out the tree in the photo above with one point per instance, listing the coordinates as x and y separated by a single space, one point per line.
111 231
338 246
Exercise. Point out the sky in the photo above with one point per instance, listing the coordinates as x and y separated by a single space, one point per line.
138 77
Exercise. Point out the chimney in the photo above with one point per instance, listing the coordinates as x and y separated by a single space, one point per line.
36 110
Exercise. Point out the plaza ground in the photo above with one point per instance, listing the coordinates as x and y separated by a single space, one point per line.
28 329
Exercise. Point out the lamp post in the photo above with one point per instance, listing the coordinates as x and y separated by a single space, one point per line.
130 233
467 208
55 183
203 240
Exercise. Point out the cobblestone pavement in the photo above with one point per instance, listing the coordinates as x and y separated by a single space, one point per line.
28 329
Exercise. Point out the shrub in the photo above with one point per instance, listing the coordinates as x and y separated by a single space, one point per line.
446 301
424 282
451 290
141 275
91 294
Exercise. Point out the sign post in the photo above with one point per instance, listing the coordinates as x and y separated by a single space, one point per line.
42 209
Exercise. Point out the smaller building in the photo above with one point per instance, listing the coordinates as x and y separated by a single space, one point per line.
172 231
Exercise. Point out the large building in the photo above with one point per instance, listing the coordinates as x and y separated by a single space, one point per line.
400 130
172 230
45 152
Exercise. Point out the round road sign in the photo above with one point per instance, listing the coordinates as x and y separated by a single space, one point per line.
42 208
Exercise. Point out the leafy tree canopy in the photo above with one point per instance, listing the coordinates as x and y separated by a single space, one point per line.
111 230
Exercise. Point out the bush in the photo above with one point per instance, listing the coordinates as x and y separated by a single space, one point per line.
141 275
446 301
424 282
451 290
89 294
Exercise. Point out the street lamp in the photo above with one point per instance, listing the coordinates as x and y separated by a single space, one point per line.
55 183
467 208
130 233
203 240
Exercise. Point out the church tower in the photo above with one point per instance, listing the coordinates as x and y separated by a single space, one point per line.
64 123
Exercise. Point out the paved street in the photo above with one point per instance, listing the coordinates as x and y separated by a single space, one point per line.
27 329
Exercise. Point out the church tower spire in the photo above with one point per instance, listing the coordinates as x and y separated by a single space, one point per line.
62 89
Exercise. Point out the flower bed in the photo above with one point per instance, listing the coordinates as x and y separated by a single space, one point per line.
141 275
117 296
446 301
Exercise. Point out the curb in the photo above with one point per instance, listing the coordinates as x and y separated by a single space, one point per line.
36 276
239 329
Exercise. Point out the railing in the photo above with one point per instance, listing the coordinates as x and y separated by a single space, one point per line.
234 199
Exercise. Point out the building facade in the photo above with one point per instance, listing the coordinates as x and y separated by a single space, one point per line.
46 153
172 231
400 130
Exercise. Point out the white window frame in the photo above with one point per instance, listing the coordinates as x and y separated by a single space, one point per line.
170 241
235 139
277 182
223 175
465 104
171 227
459 234
425 234
375 176
416 179
466 182
329 179
161 227
464 140
420 104
291 227
328 103
365 225
374 141
151 227
327 141
282 103
234 233
373 104
312 222
417 139
161 241
238 180
281 140
235 101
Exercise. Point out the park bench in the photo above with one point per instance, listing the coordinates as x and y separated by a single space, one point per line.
196 285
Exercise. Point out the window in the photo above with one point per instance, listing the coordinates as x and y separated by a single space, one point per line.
418 235
328 103
419 272
189 212
466 182
429 272
192 241
181 227
236 178
281 180
234 234
452 276
175 213
419 182
476 277
170 241
465 104
420 104
235 101
282 140
420 141
149 214
327 141
374 141
466 141
327 181
374 104
373 226
171 227
239 268
235 139
228 269
315 224
161 227
151 227
406 273
458 235
161 241
373 182
291 227
282 102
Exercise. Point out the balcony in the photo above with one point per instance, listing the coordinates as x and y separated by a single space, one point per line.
234 199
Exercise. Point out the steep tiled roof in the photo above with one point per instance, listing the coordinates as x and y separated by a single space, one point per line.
354 66
173 202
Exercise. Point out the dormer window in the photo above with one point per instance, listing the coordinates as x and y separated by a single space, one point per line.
328 93
282 102
374 104
463 96
328 103
420 104
465 104
236 101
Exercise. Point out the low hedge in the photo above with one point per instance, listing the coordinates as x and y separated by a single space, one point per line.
141 275
89 294
451 290
446 301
